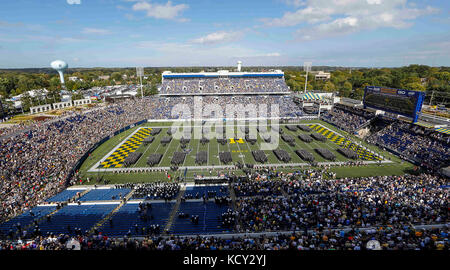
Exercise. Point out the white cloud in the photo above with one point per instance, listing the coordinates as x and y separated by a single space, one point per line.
295 3
174 53
338 17
161 11
309 14
95 31
218 37
275 54
337 27
74 2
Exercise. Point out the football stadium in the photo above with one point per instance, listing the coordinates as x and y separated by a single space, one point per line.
192 130
175 167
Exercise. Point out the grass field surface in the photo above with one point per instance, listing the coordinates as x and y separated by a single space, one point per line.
240 151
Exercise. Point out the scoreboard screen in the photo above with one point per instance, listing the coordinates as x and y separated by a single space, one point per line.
398 101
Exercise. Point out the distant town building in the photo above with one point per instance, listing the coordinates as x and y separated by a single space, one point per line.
322 76
105 77
74 79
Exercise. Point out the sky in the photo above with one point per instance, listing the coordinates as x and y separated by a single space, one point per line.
152 33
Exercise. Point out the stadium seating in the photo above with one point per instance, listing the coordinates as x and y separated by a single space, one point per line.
64 195
427 148
189 86
197 192
26 218
83 216
128 216
347 118
104 194
209 218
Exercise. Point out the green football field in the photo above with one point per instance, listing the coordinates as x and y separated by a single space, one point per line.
107 160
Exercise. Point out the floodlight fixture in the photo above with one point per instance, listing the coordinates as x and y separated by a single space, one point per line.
140 73
307 68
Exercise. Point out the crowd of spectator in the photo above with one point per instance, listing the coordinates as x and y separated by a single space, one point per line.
157 191
316 202
189 86
286 106
322 212
12 129
36 161
348 119
389 238
430 149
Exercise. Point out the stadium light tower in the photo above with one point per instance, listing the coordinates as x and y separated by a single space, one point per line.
140 73
60 66
307 68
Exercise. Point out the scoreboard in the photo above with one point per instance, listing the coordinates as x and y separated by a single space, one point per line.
399 101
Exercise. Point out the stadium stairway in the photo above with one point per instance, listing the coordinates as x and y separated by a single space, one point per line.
174 210
39 220
31 224
101 222
83 193
233 203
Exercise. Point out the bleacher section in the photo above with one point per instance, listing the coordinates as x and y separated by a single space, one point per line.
124 221
348 118
26 218
83 217
189 86
104 194
264 88
419 145
197 192
209 218
65 195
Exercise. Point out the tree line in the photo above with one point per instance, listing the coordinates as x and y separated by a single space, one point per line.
347 82
351 82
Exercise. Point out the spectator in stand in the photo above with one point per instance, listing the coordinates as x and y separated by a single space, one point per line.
431 149
348 119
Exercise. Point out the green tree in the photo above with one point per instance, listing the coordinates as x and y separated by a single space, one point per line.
26 101
329 87
77 95
149 90
346 89
116 76
415 86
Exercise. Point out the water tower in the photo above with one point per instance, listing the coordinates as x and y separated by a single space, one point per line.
239 64
60 66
